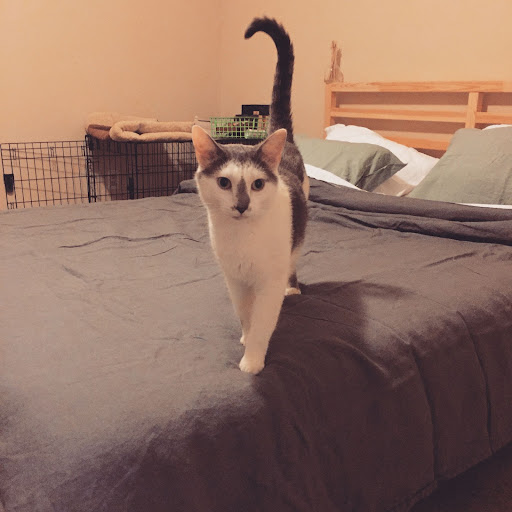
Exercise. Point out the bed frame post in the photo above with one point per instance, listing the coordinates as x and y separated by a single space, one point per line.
475 101
330 104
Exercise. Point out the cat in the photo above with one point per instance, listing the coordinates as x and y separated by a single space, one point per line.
256 202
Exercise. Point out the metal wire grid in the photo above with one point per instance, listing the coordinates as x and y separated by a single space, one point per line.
51 173
110 167
120 170
44 173
161 167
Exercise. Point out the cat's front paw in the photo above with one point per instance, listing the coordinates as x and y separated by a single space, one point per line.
292 291
253 365
242 340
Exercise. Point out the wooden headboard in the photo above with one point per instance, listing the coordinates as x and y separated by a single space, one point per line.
423 115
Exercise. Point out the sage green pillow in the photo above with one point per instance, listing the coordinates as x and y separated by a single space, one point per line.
476 168
363 165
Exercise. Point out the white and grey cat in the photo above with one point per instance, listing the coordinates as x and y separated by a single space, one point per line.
256 198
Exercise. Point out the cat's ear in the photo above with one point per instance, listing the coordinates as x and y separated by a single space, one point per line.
271 150
207 150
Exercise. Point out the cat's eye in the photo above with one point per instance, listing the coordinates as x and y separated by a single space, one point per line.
258 184
224 183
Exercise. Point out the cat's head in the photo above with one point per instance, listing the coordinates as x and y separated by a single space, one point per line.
238 181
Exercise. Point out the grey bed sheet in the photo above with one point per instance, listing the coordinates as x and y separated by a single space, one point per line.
119 385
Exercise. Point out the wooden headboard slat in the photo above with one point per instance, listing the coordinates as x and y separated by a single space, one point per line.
472 86
439 144
491 118
471 108
445 116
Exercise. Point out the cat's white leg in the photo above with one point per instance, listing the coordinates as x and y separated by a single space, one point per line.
265 312
242 297
292 289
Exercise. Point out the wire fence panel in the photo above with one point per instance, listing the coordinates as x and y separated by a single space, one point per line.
70 172
44 173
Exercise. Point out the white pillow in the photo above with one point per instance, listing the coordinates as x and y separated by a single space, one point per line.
418 164
492 126
329 177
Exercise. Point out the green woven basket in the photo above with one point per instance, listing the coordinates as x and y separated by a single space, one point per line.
240 127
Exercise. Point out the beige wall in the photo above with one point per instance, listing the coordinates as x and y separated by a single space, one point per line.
381 40
62 59
172 59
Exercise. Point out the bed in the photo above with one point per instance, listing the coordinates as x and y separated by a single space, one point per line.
119 385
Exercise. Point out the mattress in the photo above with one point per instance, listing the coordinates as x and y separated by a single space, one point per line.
119 384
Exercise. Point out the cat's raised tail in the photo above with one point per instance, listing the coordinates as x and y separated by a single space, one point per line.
280 109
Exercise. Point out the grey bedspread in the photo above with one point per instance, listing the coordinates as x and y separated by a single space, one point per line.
119 385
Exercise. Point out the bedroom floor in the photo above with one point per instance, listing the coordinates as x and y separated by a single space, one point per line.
484 488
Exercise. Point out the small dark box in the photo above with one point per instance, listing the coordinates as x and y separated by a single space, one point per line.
255 110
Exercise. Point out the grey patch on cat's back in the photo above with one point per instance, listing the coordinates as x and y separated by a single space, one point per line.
299 211
292 172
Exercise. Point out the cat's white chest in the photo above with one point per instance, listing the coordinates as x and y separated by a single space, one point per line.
249 249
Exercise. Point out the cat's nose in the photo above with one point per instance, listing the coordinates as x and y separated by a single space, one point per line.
241 208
